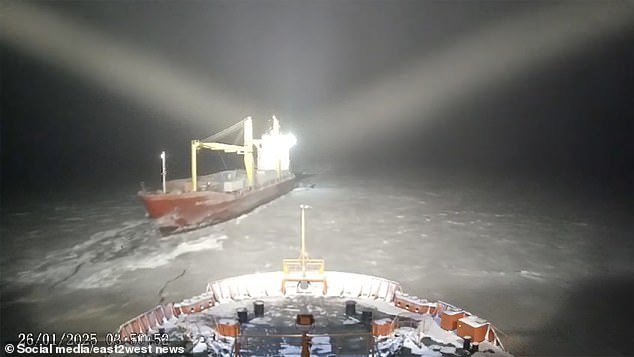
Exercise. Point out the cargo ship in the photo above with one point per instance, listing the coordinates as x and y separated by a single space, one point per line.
304 310
190 203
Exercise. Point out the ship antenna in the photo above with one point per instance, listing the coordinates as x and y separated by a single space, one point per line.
302 254
312 270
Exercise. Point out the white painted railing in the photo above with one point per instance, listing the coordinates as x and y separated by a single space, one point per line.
260 285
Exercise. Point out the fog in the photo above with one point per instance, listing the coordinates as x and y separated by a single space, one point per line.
484 104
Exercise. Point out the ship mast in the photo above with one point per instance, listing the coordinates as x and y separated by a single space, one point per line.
303 270
163 172
303 256
275 131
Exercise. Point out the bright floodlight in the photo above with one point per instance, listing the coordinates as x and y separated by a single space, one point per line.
291 140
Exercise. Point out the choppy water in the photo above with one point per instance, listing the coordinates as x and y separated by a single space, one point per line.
547 266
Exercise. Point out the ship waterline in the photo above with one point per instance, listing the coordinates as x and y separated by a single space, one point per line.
176 212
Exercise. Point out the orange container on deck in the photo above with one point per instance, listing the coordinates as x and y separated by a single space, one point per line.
473 326
449 319
382 327
414 304
305 319
229 328
189 306
426 308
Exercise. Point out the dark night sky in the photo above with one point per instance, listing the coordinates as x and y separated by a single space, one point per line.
570 116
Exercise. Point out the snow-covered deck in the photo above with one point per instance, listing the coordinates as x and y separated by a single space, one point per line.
222 297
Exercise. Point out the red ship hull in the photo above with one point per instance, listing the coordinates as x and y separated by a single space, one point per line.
176 212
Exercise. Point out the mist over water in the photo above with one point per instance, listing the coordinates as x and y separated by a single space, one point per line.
477 152
521 254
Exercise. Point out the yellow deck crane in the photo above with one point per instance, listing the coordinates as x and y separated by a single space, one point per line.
272 149
246 150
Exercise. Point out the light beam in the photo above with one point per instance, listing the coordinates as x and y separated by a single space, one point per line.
485 59
124 70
